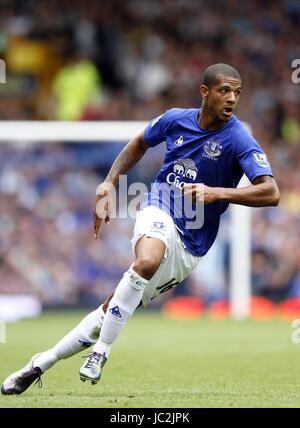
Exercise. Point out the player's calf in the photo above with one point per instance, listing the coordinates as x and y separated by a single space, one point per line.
127 297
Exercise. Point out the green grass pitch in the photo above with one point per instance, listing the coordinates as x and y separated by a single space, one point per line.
158 362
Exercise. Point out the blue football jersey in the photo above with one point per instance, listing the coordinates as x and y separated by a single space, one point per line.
193 155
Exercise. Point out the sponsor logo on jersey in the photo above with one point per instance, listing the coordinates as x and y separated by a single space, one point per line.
261 159
182 168
115 311
212 149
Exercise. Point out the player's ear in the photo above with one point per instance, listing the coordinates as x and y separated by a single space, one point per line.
203 91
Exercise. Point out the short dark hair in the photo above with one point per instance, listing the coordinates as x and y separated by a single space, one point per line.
210 74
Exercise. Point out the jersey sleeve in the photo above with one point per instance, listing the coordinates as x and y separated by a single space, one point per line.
156 132
250 156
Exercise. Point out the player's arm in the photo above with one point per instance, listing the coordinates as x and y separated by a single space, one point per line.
262 192
153 135
128 157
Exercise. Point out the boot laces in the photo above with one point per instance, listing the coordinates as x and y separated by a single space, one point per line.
39 382
92 359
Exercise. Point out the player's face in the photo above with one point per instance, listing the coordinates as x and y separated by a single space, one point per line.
222 98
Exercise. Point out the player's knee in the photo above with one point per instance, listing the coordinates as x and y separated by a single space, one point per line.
146 267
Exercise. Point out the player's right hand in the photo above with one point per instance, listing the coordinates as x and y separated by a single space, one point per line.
103 206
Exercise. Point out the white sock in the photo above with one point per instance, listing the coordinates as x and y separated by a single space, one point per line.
81 337
127 296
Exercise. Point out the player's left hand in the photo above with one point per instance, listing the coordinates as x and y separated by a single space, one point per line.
201 193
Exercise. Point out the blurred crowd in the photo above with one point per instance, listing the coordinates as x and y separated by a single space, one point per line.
46 222
123 60
46 231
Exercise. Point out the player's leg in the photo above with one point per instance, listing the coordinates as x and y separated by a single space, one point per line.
128 295
85 334
81 337
146 279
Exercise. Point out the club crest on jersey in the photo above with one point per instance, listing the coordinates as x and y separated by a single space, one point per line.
212 149
115 311
261 159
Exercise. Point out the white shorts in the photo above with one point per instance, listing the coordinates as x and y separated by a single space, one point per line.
177 263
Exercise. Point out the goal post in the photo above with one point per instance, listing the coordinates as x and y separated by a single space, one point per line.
26 132
240 259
